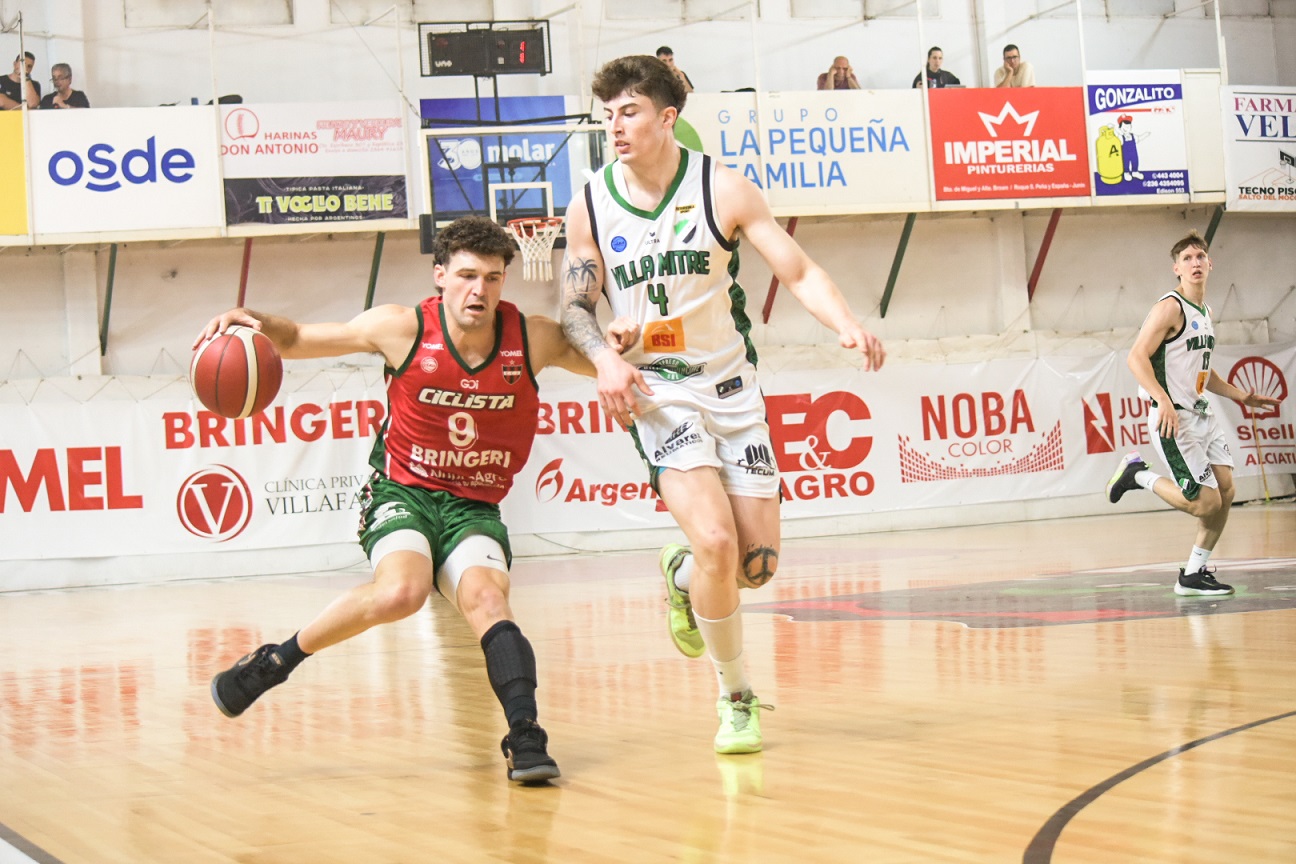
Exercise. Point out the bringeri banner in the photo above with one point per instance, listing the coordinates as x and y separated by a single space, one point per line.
164 476
1009 143
124 169
1136 125
313 162
113 470
13 174
1260 148
841 151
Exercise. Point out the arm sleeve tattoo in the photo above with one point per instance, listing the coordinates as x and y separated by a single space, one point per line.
581 280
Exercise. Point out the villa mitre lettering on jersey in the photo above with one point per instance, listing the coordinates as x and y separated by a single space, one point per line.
678 262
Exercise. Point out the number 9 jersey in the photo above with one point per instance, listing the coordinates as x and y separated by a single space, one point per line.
465 430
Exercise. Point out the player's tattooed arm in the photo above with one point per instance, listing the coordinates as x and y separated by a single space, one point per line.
581 278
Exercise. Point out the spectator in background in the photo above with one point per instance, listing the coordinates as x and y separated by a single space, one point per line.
936 76
840 76
63 96
17 87
1015 72
667 56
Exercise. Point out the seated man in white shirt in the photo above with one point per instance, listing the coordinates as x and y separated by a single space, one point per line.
1015 72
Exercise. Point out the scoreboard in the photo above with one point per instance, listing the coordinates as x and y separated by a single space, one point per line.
494 49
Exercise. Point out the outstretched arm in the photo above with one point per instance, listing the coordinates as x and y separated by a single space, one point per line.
388 330
1217 384
746 209
549 347
582 282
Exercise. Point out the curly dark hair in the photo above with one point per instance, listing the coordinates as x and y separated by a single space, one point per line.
475 234
640 74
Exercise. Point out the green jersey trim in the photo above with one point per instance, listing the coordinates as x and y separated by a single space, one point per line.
661 205
418 337
738 307
1201 309
526 351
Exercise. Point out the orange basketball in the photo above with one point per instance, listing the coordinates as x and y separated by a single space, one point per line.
236 373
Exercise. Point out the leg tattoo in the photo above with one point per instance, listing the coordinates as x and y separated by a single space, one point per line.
759 565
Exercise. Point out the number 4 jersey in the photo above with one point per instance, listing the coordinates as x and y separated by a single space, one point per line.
672 271
466 430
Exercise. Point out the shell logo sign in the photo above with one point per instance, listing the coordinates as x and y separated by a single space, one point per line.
1260 376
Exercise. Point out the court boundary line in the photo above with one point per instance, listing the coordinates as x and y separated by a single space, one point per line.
1040 849
24 847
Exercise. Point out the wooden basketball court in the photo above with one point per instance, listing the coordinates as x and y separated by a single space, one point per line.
1019 692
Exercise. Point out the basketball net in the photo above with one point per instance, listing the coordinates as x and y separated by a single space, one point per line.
535 237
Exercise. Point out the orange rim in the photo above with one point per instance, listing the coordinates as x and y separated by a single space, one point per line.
528 224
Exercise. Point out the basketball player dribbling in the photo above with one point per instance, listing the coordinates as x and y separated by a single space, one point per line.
658 231
1171 360
460 380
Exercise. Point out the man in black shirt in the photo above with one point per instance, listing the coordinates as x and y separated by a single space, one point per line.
64 96
667 56
17 87
936 76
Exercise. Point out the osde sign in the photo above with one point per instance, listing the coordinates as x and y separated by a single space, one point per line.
137 166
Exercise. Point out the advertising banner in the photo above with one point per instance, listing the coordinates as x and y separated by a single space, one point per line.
13 174
1136 124
463 167
1260 147
844 151
158 476
1009 143
124 169
848 442
313 162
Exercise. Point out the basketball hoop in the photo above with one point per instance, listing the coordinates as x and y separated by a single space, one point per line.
535 237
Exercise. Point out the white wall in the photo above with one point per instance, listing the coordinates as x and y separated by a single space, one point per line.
315 59
1104 269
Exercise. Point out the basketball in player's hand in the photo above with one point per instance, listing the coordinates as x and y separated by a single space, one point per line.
236 373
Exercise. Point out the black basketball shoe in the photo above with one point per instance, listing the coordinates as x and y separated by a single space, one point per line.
1201 583
240 685
1123 480
524 751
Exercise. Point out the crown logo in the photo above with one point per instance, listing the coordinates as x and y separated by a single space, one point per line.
992 122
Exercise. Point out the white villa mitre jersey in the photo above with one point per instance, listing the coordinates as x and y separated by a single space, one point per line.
670 270
1182 362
